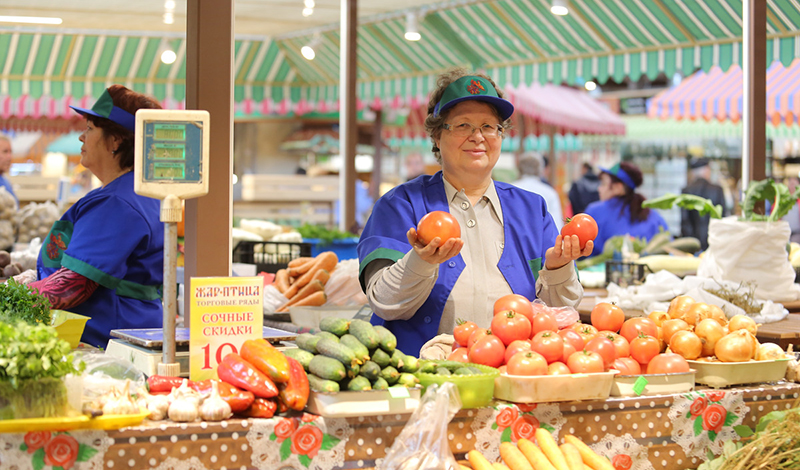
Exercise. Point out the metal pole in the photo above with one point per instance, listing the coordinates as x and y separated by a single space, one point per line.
348 131
754 61
170 211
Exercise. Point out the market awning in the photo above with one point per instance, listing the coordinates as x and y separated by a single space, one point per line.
517 42
718 95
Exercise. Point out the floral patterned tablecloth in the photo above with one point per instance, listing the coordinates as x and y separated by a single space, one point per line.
662 432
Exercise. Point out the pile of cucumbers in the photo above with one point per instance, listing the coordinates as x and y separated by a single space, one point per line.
353 355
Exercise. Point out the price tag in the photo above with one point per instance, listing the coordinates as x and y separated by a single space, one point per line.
399 392
639 385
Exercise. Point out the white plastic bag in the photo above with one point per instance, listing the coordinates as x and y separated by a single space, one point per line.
423 443
751 251
343 288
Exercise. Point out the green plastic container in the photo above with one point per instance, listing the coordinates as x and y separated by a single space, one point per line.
476 391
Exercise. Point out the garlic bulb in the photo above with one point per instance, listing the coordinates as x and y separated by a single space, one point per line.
124 405
157 405
183 410
185 392
214 408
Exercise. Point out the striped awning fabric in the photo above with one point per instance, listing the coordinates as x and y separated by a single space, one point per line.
517 42
719 95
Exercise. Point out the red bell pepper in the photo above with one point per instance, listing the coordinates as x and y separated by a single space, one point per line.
239 400
163 383
236 371
261 408
266 358
294 393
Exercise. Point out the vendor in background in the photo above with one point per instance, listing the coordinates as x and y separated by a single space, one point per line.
530 171
104 258
509 243
692 223
584 190
5 164
619 210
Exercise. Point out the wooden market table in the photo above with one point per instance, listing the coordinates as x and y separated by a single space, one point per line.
784 332
655 428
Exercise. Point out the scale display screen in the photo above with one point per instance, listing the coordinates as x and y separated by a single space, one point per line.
169 171
169 132
173 152
170 151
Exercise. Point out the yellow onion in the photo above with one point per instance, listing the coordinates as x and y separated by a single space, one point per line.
672 326
737 346
718 315
770 352
679 306
659 317
687 344
709 331
739 322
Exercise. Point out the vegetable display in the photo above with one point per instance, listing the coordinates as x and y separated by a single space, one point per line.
20 302
544 454
303 281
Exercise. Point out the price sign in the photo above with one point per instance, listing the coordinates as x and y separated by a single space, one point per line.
225 312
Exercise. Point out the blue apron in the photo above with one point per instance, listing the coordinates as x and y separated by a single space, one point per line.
114 237
528 229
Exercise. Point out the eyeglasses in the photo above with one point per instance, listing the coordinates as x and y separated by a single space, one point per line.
466 129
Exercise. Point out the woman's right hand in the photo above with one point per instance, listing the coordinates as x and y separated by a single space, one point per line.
435 252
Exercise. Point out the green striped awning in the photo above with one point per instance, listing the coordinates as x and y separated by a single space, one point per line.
514 41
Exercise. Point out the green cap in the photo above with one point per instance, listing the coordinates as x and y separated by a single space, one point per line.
471 87
104 108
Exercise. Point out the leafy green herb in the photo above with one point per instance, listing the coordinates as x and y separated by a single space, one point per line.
33 352
687 201
781 200
325 235
20 302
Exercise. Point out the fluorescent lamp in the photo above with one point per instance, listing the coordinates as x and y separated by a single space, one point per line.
559 7
412 31
169 4
309 3
168 56
308 50
30 19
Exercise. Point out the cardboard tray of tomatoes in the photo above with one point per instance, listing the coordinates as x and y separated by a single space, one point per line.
363 403
652 384
551 388
724 374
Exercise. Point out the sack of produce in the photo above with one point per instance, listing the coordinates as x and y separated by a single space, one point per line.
765 260
35 220
8 205
26 257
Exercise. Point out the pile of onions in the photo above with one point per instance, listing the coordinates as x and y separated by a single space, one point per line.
672 326
737 346
679 307
687 344
743 322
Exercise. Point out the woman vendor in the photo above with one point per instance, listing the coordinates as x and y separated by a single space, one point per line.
619 210
509 243
104 258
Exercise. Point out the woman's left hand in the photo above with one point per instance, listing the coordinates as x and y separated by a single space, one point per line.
566 250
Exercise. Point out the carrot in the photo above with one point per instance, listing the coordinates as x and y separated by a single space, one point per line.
310 288
464 467
322 276
550 449
512 456
326 260
317 299
478 461
589 456
301 269
534 455
282 280
298 261
499 466
572 456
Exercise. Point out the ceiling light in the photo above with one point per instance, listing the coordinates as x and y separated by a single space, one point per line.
168 56
169 4
308 12
309 50
168 18
559 7
412 31
590 85
30 19
309 3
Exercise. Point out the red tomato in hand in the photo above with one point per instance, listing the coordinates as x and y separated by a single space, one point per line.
515 302
511 326
585 362
437 224
667 363
632 326
582 225
549 344
459 355
462 331
627 366
515 347
605 348
606 316
644 348
476 334
488 351
543 321
527 363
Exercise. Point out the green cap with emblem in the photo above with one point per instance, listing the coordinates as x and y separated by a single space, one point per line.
104 108
472 87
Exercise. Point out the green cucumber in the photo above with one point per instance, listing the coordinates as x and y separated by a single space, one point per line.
353 370
398 359
443 371
335 325
365 333
387 339
327 368
307 342
371 370
300 355
390 375
338 351
319 384
361 351
408 380
463 371
327 334
427 367
358 384
411 364
381 358
380 384
475 370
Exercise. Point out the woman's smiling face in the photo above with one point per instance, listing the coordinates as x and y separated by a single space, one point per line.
477 154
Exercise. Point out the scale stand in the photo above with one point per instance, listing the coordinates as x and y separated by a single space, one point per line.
170 215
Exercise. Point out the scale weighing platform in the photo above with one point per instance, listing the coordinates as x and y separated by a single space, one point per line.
143 347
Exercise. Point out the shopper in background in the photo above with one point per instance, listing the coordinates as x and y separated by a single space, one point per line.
415 165
692 223
104 258
509 243
530 171
584 190
619 210
5 164
545 176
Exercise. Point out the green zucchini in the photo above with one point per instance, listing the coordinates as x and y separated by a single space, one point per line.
300 355
307 342
365 333
338 351
358 384
319 384
361 351
335 325
387 339
327 368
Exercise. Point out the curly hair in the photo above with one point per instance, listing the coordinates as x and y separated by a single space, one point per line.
131 102
433 125
631 198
